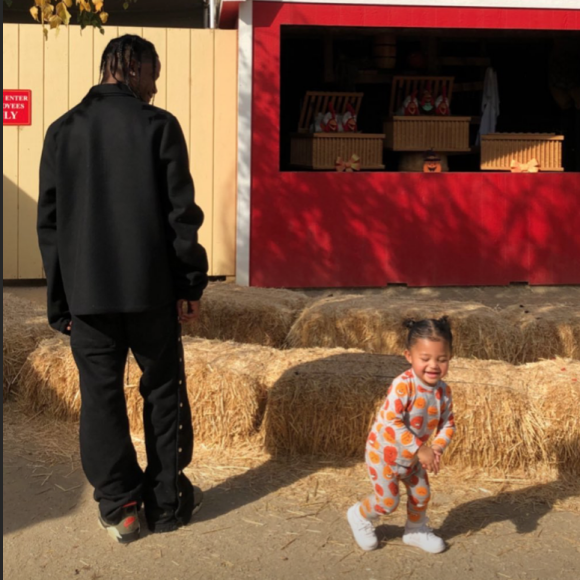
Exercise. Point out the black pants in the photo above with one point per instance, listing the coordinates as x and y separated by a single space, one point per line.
100 345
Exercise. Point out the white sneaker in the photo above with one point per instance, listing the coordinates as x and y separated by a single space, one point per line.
363 530
424 538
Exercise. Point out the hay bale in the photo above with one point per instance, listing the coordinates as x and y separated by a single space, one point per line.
375 324
554 386
498 423
49 381
547 331
227 392
24 326
247 315
225 386
323 402
509 418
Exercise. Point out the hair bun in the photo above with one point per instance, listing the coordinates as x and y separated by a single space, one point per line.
444 322
409 323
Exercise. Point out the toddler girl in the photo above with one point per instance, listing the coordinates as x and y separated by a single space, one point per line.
418 405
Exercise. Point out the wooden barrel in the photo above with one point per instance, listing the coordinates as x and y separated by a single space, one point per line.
385 51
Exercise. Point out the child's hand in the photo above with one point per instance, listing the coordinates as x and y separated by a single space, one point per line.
438 453
429 459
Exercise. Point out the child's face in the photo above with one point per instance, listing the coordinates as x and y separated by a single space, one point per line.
429 359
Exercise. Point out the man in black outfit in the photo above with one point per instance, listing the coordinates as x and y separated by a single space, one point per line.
118 230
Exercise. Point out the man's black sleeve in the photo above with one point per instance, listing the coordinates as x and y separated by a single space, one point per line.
189 259
58 310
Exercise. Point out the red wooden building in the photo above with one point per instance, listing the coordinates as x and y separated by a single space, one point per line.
301 229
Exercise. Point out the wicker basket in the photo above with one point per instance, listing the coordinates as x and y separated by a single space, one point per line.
498 150
443 134
320 150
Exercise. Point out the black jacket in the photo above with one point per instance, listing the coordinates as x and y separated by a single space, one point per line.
117 220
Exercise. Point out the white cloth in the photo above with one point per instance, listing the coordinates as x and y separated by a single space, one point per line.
489 104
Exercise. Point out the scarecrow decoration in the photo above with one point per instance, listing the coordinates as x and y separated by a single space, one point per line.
411 105
442 104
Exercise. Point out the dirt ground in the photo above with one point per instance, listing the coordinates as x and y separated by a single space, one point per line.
275 519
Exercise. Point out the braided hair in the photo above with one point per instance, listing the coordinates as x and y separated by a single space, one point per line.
122 51
429 329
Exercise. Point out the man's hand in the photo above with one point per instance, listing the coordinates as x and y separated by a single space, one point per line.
188 310
429 459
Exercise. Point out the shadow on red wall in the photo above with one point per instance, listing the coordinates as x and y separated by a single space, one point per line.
371 229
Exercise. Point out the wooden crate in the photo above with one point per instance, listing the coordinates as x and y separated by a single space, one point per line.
443 134
320 150
498 150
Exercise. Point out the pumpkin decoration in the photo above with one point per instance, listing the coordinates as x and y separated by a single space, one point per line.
432 163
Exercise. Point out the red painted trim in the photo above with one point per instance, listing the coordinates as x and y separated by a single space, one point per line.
274 14
229 15
371 229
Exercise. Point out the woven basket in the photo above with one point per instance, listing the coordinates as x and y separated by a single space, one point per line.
321 150
498 150
443 134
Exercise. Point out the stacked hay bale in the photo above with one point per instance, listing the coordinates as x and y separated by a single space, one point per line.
546 331
323 401
49 381
498 423
507 417
24 326
375 325
554 386
247 315
225 385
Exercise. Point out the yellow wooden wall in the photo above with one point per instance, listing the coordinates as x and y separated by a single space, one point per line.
198 84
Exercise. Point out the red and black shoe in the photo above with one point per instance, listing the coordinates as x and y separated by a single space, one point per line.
128 529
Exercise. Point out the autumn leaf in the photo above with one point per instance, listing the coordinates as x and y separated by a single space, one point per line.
84 6
55 22
69 3
63 13
98 5
47 12
35 12
104 17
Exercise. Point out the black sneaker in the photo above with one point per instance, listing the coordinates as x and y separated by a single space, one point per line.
128 529
171 522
